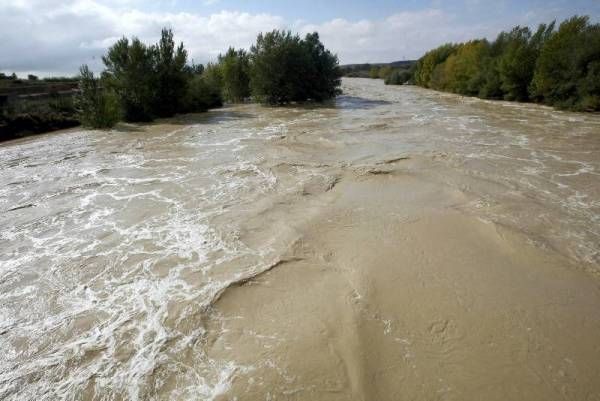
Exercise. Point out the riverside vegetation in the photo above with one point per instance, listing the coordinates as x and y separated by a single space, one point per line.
143 82
395 73
558 67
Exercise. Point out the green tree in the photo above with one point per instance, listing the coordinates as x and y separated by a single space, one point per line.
460 72
324 77
557 67
285 68
428 63
212 77
130 73
205 90
385 71
490 85
516 64
567 73
96 107
171 78
235 72
374 72
272 69
399 77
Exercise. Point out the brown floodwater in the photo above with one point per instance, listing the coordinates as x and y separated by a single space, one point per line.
249 253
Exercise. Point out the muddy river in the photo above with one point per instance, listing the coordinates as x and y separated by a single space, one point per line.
397 243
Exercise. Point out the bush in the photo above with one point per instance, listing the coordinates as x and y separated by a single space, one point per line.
235 72
171 78
149 81
278 68
204 90
427 64
374 72
285 68
15 126
36 115
97 107
324 79
131 75
385 71
143 82
517 62
568 68
399 77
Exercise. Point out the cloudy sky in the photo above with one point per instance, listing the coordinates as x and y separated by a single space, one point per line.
52 37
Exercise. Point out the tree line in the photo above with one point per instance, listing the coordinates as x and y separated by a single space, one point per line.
395 73
559 67
141 82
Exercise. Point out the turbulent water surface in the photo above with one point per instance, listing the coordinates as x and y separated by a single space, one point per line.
114 245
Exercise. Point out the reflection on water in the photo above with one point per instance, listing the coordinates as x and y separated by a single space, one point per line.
113 245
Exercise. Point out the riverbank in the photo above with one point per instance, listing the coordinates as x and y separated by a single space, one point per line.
522 65
26 124
30 107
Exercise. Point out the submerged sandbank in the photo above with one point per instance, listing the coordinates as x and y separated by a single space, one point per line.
393 291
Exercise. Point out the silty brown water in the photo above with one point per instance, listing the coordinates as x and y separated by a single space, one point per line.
115 245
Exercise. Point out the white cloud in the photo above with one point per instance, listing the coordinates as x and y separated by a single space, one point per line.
56 36
401 35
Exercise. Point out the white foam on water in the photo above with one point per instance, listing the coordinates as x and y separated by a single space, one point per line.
92 279
124 239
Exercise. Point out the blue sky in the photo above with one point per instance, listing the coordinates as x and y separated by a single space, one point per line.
50 37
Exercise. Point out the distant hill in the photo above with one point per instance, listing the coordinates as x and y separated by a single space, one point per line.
403 63
365 70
